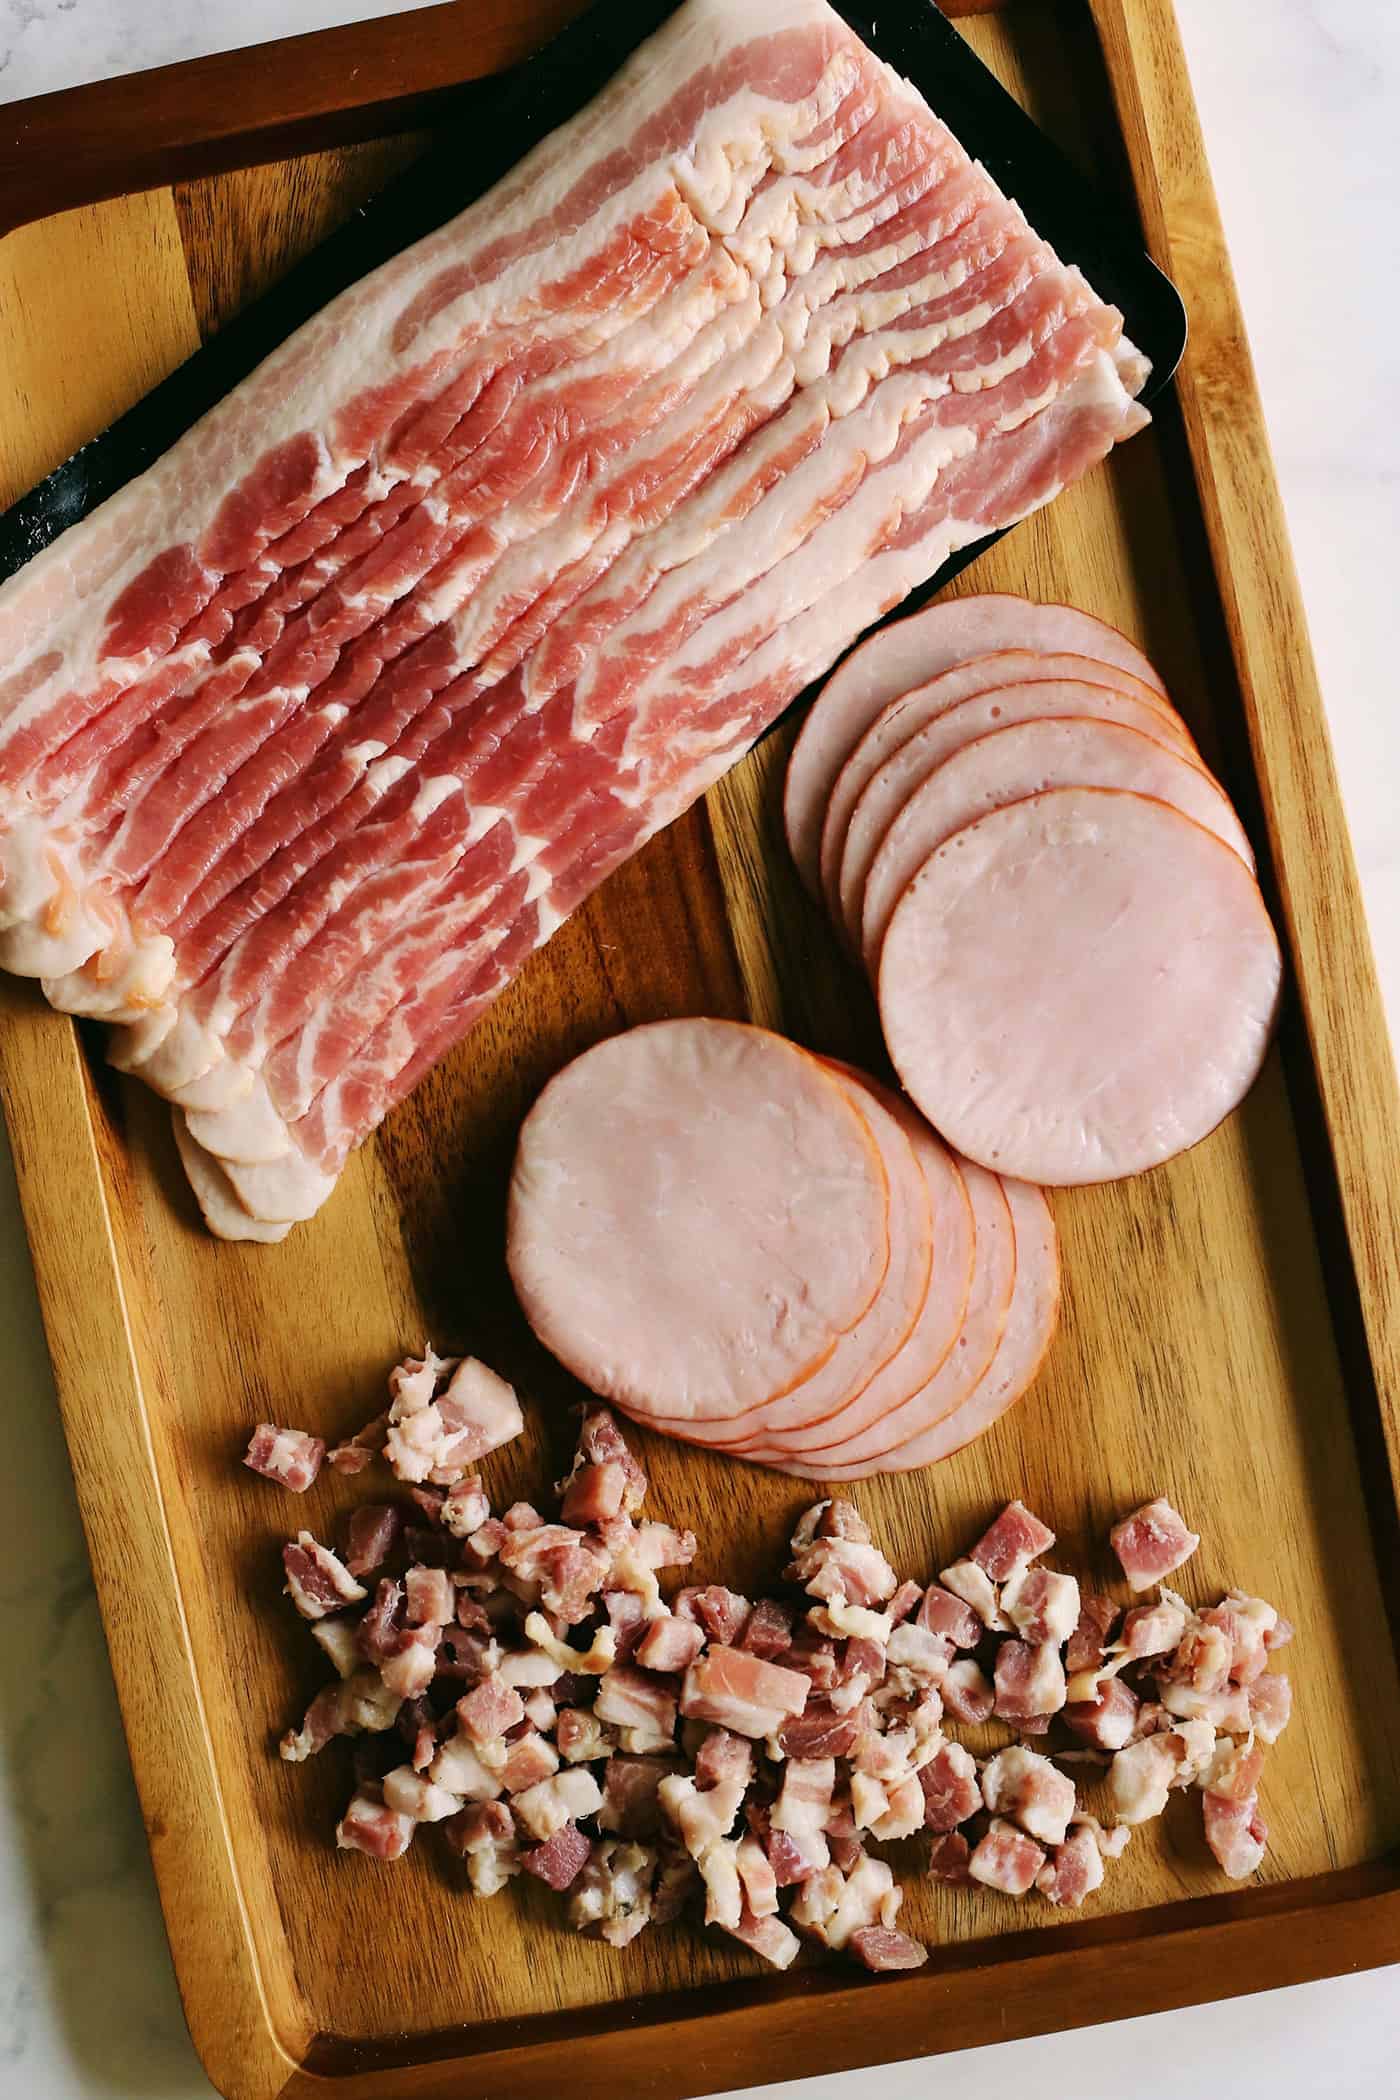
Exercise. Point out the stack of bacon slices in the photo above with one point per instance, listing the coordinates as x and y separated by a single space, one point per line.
1012 829
772 1255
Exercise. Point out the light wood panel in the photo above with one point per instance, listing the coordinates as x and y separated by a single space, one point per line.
1218 1339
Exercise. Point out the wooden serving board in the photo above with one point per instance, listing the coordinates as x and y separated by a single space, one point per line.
1231 1331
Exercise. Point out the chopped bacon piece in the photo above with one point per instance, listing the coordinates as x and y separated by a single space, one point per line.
631 1802
413 1665
819 1731
1021 1784
484 1544
724 1759
718 1862
1270 1705
1152 1542
557 1565
582 1738
458 1765
670 1643
291 1457
529 1759
1041 1604
429 1599
490 1710
832 1905
879 1948
560 1860
317 1579
370 1536
949 1858
723 1614
1088 1644
1234 1771
361 1450
1141 1776
742 1692
1030 1682
1015 1539
904 1603
355 1705
769 1630
1236 1833
369 1827
844 1571
601 1443
335 1637
1226 1711
950 1788
757 1880
484 1836
967 1694
628 1619
583 1662
925 1657
838 1519
1201 1658
548 1806
1073 1871
943 1613
1109 1721
1153 1629
851 1622
465 1507
411 1794
438 1438
643 1707
768 1937
594 1493
1005 1858
977 1590
904 1810
612 1896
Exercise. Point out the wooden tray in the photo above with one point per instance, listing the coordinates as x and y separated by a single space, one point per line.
1231 1331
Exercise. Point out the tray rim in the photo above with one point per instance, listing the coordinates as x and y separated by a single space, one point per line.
253 2039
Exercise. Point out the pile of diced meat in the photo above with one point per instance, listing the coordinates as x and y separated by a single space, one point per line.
1013 830
525 1684
771 1254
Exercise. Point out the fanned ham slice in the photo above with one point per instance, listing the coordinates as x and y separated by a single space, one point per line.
903 717
1010 764
1079 985
1028 1333
948 1318
670 1231
908 654
881 1332
904 772
881 1446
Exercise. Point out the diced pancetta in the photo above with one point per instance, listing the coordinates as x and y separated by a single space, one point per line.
1227 1711
370 1827
757 1881
1028 1788
490 1710
904 1603
743 1692
769 1629
1141 1776
642 1708
943 1613
1030 1681
925 1657
820 1731
292 1457
1270 1705
437 1431
769 1938
1041 1604
847 1571
413 1664
1151 1543
560 1860
831 1905
631 1799
581 1738
967 1694
371 1534
723 1613
1236 1833
977 1590
458 1766
1110 1720
591 1661
1152 1629
880 1948
524 1761
1005 1858
803 1807
950 1788
1016 1538
611 1898
428 1597
949 1859
318 1581
483 1834
410 1793
465 1507
335 1637
1088 1644
669 1643
546 1807
1073 1871
360 1703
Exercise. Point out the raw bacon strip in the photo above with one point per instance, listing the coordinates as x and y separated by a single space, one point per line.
985 1010
1001 749
909 655
902 718
747 1149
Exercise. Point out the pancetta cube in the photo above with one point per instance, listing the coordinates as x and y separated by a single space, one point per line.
923 1656
291 1457
489 1710
413 1794
581 1738
318 1581
967 1694
950 1788
767 1937
976 1589
612 1897
1270 1701
1141 1776
1236 1833
1108 1721
1073 1871
1016 1538
844 1571
1088 1644
1153 1629
371 1533
742 1692
1152 1542
832 1905
757 1881
723 1613
949 1858
669 1643
880 1948
1005 1858
1030 1681
942 1613
631 1801
459 1767
429 1599
529 1760
560 1860
641 1706
465 1507
369 1826
1041 1604
1021 1784
546 1807
483 1834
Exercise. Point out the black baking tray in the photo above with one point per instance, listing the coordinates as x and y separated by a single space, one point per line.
499 119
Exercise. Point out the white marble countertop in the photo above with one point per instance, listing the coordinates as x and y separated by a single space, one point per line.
1301 104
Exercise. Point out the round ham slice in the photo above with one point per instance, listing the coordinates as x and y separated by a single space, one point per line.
898 1304
1026 759
697 1213
788 1425
904 772
861 1452
911 652
1079 985
1022 1349
905 716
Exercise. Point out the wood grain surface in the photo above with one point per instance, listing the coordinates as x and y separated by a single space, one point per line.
1229 1320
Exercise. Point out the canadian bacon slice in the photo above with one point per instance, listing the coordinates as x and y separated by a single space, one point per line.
1080 985
909 653
670 1222
1027 759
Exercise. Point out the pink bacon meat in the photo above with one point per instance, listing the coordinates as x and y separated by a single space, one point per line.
320 727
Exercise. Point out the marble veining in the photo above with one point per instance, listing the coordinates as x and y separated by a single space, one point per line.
1301 105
